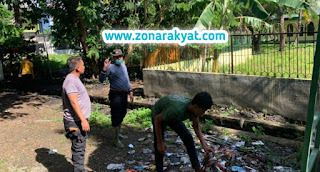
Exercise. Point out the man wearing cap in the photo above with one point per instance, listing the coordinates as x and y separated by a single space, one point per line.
120 87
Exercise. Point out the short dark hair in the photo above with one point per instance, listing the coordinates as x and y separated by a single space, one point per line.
203 100
73 62
29 57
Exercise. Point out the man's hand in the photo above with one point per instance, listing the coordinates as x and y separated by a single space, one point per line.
162 147
19 75
85 125
207 149
106 64
131 96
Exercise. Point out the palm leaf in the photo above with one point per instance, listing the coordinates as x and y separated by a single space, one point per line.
256 23
297 4
205 17
254 6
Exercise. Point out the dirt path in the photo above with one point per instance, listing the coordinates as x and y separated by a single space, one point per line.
32 125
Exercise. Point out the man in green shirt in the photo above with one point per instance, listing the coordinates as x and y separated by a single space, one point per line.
171 111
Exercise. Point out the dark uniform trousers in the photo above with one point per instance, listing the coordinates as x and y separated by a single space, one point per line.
78 147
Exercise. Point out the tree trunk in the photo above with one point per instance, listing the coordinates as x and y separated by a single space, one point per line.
145 6
206 46
215 62
129 52
17 14
299 29
205 53
282 36
17 17
144 56
256 43
93 61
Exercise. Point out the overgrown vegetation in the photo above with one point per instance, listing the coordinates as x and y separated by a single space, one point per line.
138 118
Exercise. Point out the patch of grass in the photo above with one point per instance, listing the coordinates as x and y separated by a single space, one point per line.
97 106
56 119
265 111
225 132
3 166
259 131
99 119
53 111
225 114
188 123
139 118
246 138
207 125
139 98
63 140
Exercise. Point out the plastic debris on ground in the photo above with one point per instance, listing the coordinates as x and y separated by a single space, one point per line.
230 154
241 143
52 152
179 140
115 166
141 139
131 162
282 169
251 169
131 152
130 170
238 169
138 168
145 151
257 143
184 160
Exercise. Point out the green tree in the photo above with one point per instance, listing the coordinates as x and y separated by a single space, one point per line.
78 23
9 33
223 13
282 4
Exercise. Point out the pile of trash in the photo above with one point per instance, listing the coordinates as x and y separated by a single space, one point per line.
230 154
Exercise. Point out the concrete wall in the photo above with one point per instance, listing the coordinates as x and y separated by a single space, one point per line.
286 97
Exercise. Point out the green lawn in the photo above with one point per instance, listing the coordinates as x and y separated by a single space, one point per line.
294 62
58 61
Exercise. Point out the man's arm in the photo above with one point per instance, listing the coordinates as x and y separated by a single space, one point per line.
75 104
161 145
103 74
197 130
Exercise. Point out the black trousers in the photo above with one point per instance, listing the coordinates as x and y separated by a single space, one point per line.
78 147
26 82
185 136
118 105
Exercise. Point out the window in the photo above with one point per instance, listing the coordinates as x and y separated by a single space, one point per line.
310 29
289 30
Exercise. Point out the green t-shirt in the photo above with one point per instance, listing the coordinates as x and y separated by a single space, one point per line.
173 108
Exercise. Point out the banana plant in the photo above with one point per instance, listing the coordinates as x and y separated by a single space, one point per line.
208 14
295 4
